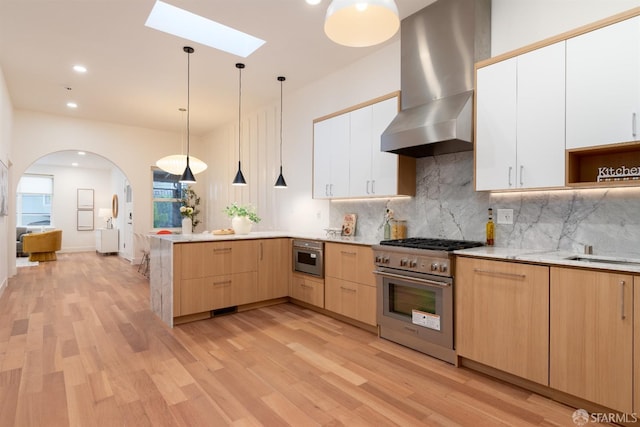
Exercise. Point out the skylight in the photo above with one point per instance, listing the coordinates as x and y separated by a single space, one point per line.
182 23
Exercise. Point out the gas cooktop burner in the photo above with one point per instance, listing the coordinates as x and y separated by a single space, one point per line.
432 244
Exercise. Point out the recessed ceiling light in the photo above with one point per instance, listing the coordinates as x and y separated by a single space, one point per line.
75 164
81 153
182 23
313 2
80 68
72 104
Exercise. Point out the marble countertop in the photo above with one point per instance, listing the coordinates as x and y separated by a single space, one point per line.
208 237
619 262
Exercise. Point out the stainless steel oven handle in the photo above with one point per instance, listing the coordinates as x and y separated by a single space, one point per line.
411 279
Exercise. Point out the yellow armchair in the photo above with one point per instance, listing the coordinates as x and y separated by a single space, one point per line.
42 246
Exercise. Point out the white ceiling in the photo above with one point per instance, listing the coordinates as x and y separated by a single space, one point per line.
137 75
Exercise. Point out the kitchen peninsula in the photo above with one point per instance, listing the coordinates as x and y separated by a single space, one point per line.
195 275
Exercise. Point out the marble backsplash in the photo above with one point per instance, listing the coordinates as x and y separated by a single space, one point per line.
446 206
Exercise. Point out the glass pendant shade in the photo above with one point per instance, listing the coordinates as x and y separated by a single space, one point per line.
239 179
361 23
175 164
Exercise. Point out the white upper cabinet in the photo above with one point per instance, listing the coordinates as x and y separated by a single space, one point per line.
372 172
541 120
603 85
495 143
520 121
347 158
331 157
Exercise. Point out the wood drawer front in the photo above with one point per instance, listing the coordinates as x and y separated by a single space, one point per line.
210 293
353 263
230 257
350 299
308 290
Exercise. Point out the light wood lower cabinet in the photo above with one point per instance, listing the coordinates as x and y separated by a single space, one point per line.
591 350
214 292
350 285
213 275
274 267
351 299
502 316
307 289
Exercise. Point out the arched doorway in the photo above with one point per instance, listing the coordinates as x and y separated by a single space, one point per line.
84 185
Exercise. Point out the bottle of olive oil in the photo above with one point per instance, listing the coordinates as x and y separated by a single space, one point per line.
491 229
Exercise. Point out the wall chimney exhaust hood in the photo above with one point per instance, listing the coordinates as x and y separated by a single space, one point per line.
439 46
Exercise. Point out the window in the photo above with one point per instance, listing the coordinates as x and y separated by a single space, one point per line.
33 200
167 192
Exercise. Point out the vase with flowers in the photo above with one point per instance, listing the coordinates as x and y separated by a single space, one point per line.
189 210
242 217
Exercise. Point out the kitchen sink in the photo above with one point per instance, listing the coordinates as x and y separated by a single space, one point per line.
605 260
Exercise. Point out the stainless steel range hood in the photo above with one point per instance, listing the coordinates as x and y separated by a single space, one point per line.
439 46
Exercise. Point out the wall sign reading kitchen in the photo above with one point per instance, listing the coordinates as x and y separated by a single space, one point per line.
622 173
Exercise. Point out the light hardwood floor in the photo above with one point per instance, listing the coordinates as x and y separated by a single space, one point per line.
79 346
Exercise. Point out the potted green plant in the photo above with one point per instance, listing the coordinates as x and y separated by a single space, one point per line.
242 217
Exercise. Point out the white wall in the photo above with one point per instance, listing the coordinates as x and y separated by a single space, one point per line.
517 23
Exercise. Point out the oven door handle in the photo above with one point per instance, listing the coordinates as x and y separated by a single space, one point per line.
411 279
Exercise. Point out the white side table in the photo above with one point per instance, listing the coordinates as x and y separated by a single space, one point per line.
107 240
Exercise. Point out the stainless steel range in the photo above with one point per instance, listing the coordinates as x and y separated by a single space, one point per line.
415 293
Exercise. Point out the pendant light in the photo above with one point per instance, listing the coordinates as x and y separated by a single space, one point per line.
280 182
175 164
239 179
187 176
361 23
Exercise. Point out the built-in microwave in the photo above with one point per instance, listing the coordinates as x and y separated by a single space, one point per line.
308 257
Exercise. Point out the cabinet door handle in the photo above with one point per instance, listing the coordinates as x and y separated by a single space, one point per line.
326 189
303 285
510 169
622 316
499 273
368 187
373 186
344 288
261 251
521 174
347 253
224 282
222 250
633 124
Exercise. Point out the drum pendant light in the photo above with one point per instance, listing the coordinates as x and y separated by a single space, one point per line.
361 23
280 182
239 179
187 176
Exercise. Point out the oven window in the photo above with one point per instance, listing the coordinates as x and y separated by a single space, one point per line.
307 258
404 299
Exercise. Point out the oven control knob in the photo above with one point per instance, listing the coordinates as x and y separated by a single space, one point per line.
434 266
385 260
378 259
443 268
413 263
404 262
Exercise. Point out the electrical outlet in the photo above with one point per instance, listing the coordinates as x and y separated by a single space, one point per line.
505 216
